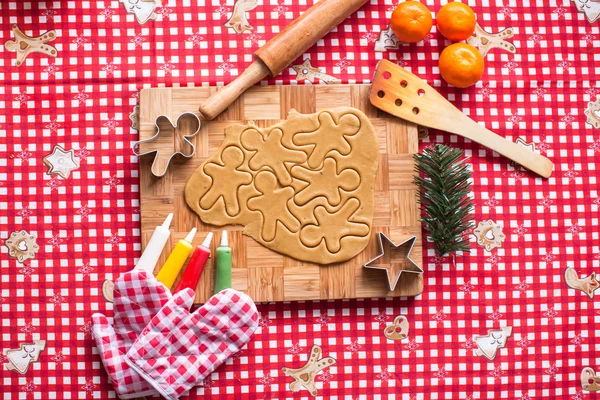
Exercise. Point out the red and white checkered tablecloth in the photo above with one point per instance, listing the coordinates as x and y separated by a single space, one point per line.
88 228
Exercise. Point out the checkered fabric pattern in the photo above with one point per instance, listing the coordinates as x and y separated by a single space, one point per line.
179 349
138 297
87 225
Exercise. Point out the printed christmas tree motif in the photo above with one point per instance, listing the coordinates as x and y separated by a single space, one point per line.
304 377
589 381
22 246
489 344
24 45
588 284
348 125
591 9
61 162
325 182
271 153
485 41
306 71
142 9
232 158
238 20
332 228
20 359
273 198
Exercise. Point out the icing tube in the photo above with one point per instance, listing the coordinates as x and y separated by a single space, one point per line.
168 273
192 272
155 246
223 265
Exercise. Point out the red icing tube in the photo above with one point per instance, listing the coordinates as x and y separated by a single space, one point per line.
192 273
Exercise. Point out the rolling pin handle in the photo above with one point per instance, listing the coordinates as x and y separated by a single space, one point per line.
218 102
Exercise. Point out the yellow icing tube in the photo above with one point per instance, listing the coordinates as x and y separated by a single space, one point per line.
168 273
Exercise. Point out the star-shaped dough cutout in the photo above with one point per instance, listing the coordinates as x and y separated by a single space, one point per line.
61 162
394 259
305 70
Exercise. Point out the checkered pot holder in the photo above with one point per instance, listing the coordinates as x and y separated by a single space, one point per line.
138 297
178 349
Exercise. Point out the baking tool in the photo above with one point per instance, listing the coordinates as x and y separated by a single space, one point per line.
223 265
169 271
155 246
405 95
264 274
394 258
283 49
169 140
195 266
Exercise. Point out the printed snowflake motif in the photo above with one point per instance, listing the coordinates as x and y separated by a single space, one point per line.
469 344
54 183
24 155
266 380
111 124
578 395
522 287
441 373
22 98
326 376
400 62
343 64
354 347
79 41
84 211
385 375
264 322
491 202
114 240
517 174
546 202
29 387
539 92
207 383
113 181
254 37
574 229
163 11
57 299
28 328
469 397
467 287
55 241
85 269
486 91
108 13
520 230
437 260
560 11
2 301
494 259
571 174
592 91
27 270
226 66
511 66
578 339
3 358
439 317
49 13
370 36
82 153
543 146
549 257
506 11
89 387
223 10
394 5
51 69
514 119
236 355
53 126
428 38
552 371
86 328
564 64
497 372
536 38
280 9
295 349
595 146
495 316
195 39
81 97
168 67
589 38
551 313
568 119
323 319
412 345
382 318
109 68
58 358
138 40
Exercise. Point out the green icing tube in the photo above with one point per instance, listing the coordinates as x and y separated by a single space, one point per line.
223 265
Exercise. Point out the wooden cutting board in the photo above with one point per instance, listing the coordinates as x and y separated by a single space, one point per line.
264 274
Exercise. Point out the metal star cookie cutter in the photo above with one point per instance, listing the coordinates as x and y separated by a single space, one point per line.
169 141
390 262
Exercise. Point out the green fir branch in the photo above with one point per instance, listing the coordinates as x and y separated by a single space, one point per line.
444 187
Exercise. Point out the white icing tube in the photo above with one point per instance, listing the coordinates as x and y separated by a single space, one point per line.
155 246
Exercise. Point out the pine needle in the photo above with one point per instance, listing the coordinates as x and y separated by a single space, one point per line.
444 187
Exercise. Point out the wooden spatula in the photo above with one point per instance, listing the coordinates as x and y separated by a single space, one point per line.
405 95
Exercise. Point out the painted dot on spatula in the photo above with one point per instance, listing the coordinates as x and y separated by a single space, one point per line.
387 75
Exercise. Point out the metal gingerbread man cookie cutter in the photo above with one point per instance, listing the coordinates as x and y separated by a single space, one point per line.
169 141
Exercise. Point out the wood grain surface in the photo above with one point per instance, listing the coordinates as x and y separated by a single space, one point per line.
264 274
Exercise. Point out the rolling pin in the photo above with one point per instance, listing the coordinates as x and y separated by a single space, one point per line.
282 50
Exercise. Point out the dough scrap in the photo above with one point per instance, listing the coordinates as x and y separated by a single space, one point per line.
303 187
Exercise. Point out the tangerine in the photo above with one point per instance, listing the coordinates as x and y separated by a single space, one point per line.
456 21
461 65
411 21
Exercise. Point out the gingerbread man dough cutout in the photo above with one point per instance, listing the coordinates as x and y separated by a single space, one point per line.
232 158
325 182
321 139
272 198
332 228
24 45
270 152
304 377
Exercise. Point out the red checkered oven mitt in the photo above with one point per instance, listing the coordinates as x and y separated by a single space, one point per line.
138 296
178 349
